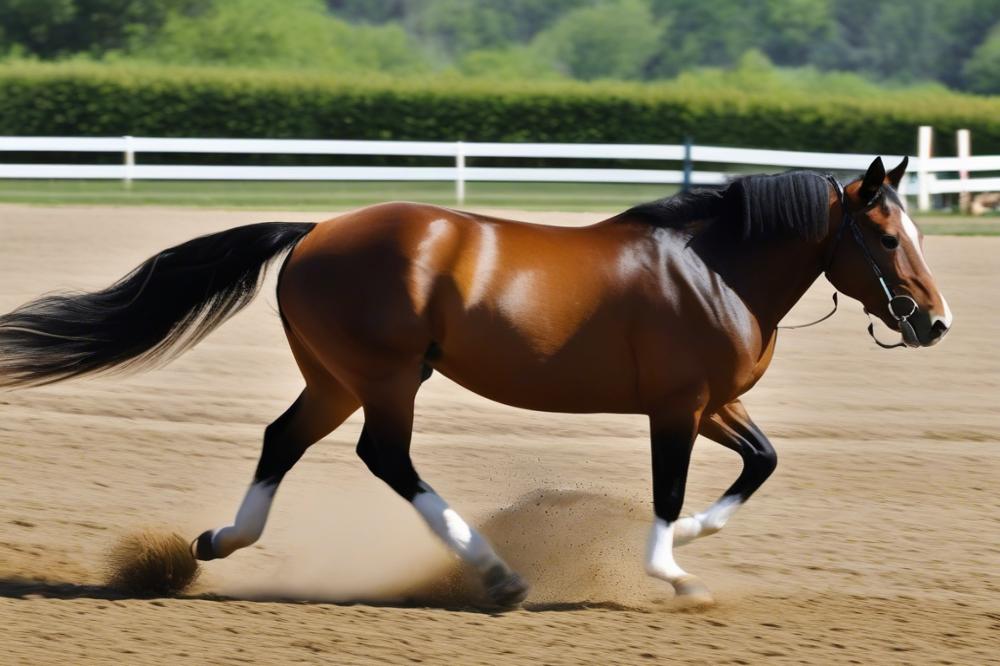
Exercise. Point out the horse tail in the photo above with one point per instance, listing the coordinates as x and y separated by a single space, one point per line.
163 307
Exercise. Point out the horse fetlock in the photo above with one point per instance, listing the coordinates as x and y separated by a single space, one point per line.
228 540
220 543
710 524
687 529
716 516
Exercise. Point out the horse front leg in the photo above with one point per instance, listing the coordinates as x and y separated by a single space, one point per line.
731 426
672 441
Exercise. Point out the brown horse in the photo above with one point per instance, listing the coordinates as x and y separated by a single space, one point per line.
668 310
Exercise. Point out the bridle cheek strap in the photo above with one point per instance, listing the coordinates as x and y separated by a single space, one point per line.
901 306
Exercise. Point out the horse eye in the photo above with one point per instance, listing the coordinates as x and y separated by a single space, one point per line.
890 242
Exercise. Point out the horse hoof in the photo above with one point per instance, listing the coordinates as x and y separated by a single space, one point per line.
690 592
505 588
202 548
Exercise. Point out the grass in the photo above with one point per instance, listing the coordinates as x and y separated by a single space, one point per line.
958 225
327 196
338 196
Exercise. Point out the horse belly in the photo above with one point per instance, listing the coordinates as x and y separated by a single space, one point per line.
593 372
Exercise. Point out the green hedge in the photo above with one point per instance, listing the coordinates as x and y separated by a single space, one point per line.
84 99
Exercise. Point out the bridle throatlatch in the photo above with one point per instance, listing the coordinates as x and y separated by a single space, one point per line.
901 306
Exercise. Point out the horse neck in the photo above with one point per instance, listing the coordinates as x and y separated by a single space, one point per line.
769 276
777 275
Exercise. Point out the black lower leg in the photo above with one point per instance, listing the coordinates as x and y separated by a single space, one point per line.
671 449
391 464
280 452
736 431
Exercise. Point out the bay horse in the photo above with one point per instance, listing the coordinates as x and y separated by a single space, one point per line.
669 310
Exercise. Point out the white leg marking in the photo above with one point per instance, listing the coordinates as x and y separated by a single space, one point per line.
709 521
455 532
660 564
249 523
660 553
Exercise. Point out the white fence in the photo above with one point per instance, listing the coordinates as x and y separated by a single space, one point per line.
924 167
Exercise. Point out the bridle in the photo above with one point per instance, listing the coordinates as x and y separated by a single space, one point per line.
901 306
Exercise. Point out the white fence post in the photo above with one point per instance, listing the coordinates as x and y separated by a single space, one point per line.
925 137
129 161
963 139
459 172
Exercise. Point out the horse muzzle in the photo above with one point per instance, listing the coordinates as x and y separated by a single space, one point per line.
918 328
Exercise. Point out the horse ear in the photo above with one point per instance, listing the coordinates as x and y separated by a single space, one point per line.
872 181
896 175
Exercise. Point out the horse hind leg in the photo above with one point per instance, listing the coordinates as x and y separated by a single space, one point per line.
321 407
384 447
732 427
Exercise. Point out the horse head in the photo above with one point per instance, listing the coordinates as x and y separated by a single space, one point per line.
877 258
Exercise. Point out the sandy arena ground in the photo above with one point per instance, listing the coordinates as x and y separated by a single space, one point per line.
877 541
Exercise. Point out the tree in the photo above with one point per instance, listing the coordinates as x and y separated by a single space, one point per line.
916 40
370 11
792 28
53 28
982 70
967 28
455 27
612 40
530 17
703 33
262 33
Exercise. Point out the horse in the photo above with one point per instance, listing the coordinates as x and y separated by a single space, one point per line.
668 310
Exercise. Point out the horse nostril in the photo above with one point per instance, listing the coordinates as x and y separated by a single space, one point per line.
938 329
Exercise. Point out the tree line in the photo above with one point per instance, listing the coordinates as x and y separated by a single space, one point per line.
955 43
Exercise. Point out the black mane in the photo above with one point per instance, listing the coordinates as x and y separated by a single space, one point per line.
759 206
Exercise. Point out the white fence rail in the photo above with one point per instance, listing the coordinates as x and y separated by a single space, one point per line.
923 166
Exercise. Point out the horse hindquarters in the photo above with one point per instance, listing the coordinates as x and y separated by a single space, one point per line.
361 329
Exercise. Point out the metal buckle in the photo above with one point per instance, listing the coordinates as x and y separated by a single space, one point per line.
902 307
